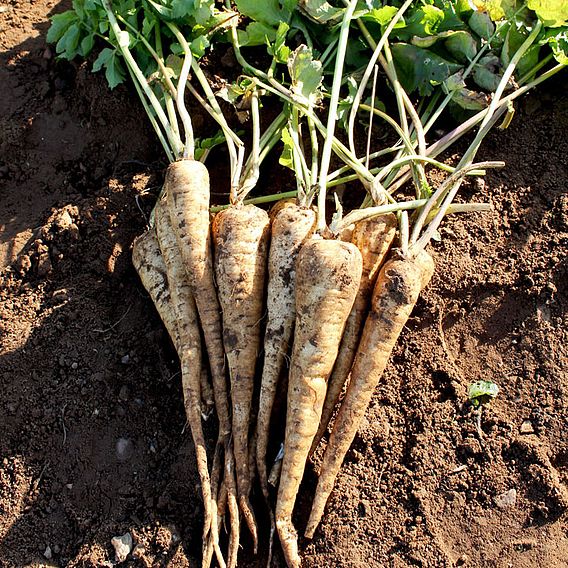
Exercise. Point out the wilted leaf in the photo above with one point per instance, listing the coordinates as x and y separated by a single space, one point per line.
306 74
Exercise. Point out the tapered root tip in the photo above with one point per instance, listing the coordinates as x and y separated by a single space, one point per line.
289 542
249 520
316 514
310 530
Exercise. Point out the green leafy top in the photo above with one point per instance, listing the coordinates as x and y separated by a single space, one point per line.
77 31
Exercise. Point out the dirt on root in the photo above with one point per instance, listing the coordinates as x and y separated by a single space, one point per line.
92 436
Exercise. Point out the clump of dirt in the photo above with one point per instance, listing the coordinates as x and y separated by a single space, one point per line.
92 437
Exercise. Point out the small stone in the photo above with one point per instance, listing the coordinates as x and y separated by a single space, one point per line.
74 365
47 553
56 549
43 263
123 393
125 360
63 220
507 499
123 449
122 546
527 427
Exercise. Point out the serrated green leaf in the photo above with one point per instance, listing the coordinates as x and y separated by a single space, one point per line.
552 13
148 24
557 39
87 44
453 83
462 46
268 12
59 25
78 8
496 9
67 46
256 33
487 73
199 45
429 41
287 157
279 50
114 72
321 11
102 59
424 21
482 25
345 104
174 63
383 16
203 145
420 69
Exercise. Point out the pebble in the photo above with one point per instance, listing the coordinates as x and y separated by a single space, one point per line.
123 449
125 360
527 427
507 499
47 552
122 546
124 393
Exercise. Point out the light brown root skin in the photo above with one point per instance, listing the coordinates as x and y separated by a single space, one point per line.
394 296
234 522
189 349
328 276
241 236
187 192
151 268
291 226
373 237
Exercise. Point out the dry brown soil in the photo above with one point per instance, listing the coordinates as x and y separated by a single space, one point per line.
92 436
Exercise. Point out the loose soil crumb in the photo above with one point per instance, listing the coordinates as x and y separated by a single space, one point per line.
92 436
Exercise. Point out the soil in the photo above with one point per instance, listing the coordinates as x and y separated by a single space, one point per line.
92 436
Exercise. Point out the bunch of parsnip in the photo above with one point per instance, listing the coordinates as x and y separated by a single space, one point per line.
292 301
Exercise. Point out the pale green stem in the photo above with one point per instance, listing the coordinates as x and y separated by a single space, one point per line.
174 142
404 231
340 149
315 151
171 92
451 186
358 215
367 75
153 121
446 141
258 200
382 172
332 112
374 155
485 125
251 178
189 149
371 115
